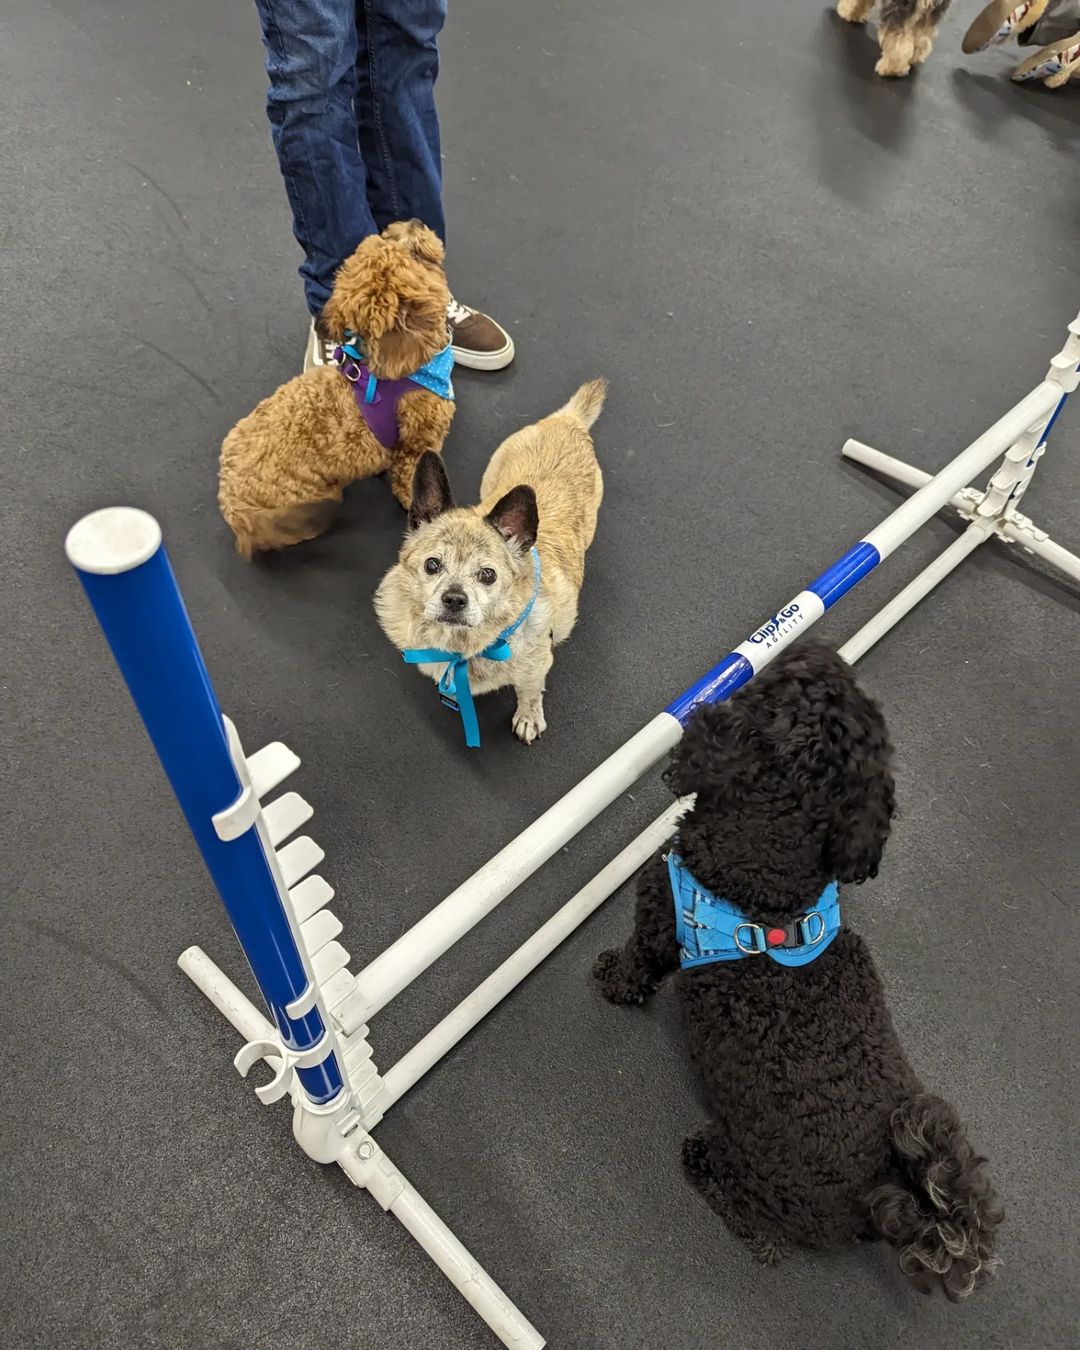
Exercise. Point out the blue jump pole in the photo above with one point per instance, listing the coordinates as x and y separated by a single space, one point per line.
121 562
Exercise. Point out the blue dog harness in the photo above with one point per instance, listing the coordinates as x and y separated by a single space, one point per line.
454 689
710 929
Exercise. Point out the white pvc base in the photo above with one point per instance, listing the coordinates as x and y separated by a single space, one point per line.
1012 529
1008 525
361 1159
443 1037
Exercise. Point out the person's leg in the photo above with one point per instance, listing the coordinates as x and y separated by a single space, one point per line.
396 122
311 48
398 132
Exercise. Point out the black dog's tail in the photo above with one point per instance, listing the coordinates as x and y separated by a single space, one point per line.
944 1216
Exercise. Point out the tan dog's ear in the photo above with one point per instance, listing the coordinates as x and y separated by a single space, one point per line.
516 517
365 295
431 494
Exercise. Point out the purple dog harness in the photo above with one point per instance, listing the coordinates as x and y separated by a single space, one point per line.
377 399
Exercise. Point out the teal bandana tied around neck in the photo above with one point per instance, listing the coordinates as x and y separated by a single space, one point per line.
454 689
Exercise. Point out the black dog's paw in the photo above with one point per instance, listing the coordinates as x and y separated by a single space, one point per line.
608 973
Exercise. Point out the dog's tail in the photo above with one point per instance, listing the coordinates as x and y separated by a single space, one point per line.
258 529
943 1215
585 406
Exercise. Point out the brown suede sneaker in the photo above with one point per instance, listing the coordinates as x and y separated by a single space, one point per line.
478 341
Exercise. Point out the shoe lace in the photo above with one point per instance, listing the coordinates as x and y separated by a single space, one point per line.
456 312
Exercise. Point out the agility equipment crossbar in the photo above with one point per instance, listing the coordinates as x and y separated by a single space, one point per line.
316 1044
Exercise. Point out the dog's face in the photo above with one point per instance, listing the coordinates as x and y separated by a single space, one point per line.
792 773
392 294
461 577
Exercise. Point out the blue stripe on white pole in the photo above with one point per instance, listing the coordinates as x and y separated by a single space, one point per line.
125 571
739 666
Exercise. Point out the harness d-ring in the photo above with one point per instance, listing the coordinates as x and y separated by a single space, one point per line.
754 928
804 925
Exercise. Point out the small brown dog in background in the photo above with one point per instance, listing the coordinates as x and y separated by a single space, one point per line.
906 30
465 574
284 466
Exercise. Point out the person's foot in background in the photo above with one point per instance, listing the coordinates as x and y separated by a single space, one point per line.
478 341
1055 23
1000 21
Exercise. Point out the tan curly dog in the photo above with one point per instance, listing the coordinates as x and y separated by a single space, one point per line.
284 466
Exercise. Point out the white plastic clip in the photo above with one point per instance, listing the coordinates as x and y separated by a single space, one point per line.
288 1061
281 1083
237 819
300 1007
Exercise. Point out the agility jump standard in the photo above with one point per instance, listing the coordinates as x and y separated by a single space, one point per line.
317 1043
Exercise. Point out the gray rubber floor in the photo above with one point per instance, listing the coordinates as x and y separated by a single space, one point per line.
766 249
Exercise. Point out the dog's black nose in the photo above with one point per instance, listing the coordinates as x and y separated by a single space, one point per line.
454 600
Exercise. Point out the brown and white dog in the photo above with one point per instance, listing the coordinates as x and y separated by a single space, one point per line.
285 465
906 30
466 574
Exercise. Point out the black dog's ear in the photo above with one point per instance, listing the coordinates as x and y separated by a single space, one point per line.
516 517
863 807
431 494
841 758
703 759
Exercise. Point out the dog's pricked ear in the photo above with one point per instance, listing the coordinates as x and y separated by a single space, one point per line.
516 516
431 494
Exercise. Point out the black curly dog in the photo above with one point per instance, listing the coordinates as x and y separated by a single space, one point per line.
821 1133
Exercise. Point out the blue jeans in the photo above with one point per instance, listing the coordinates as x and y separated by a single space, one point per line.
352 113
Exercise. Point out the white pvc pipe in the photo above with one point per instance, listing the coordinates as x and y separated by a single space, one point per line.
1027 537
443 1037
237 1009
442 926
377 1174
860 643
1030 413
903 472
1046 549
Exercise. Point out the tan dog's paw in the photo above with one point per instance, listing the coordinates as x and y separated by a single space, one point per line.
893 68
854 11
897 53
529 724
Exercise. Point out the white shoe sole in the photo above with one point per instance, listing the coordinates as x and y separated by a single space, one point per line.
311 351
496 360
